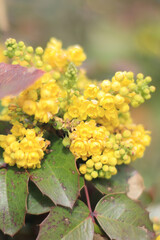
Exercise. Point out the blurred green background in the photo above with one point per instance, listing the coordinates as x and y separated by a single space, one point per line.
116 35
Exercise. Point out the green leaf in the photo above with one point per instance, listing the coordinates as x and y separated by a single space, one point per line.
37 203
2 163
145 199
58 177
123 219
5 127
118 183
64 224
13 197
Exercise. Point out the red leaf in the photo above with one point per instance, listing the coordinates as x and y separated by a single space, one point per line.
15 78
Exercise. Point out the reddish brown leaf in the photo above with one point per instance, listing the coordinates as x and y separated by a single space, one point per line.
15 78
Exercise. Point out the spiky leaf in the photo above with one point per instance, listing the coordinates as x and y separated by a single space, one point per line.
37 203
64 224
58 177
123 219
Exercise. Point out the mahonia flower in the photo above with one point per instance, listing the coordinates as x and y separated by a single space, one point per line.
95 116
41 99
59 58
102 150
23 147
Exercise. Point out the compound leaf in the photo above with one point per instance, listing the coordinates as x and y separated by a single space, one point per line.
58 177
123 219
64 224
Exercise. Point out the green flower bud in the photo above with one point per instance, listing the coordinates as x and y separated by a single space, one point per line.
17 53
119 76
132 86
123 91
27 57
105 168
152 88
21 44
39 63
30 49
89 163
140 76
130 75
56 75
101 174
88 177
148 96
118 136
117 154
39 50
134 104
66 142
112 161
48 68
126 134
89 170
148 79
122 151
146 90
98 165
108 175
94 174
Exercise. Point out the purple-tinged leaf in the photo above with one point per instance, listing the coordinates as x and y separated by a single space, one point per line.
15 78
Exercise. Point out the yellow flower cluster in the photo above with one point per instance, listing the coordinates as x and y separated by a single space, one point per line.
59 58
94 116
23 147
41 99
54 57
102 150
110 103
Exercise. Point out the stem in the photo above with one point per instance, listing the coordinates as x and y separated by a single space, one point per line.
88 203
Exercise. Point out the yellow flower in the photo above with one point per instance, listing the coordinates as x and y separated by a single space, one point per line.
91 91
92 109
76 55
95 147
79 148
46 109
18 129
73 111
107 102
29 107
106 85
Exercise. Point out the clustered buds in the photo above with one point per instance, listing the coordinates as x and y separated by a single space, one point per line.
103 150
24 147
93 118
